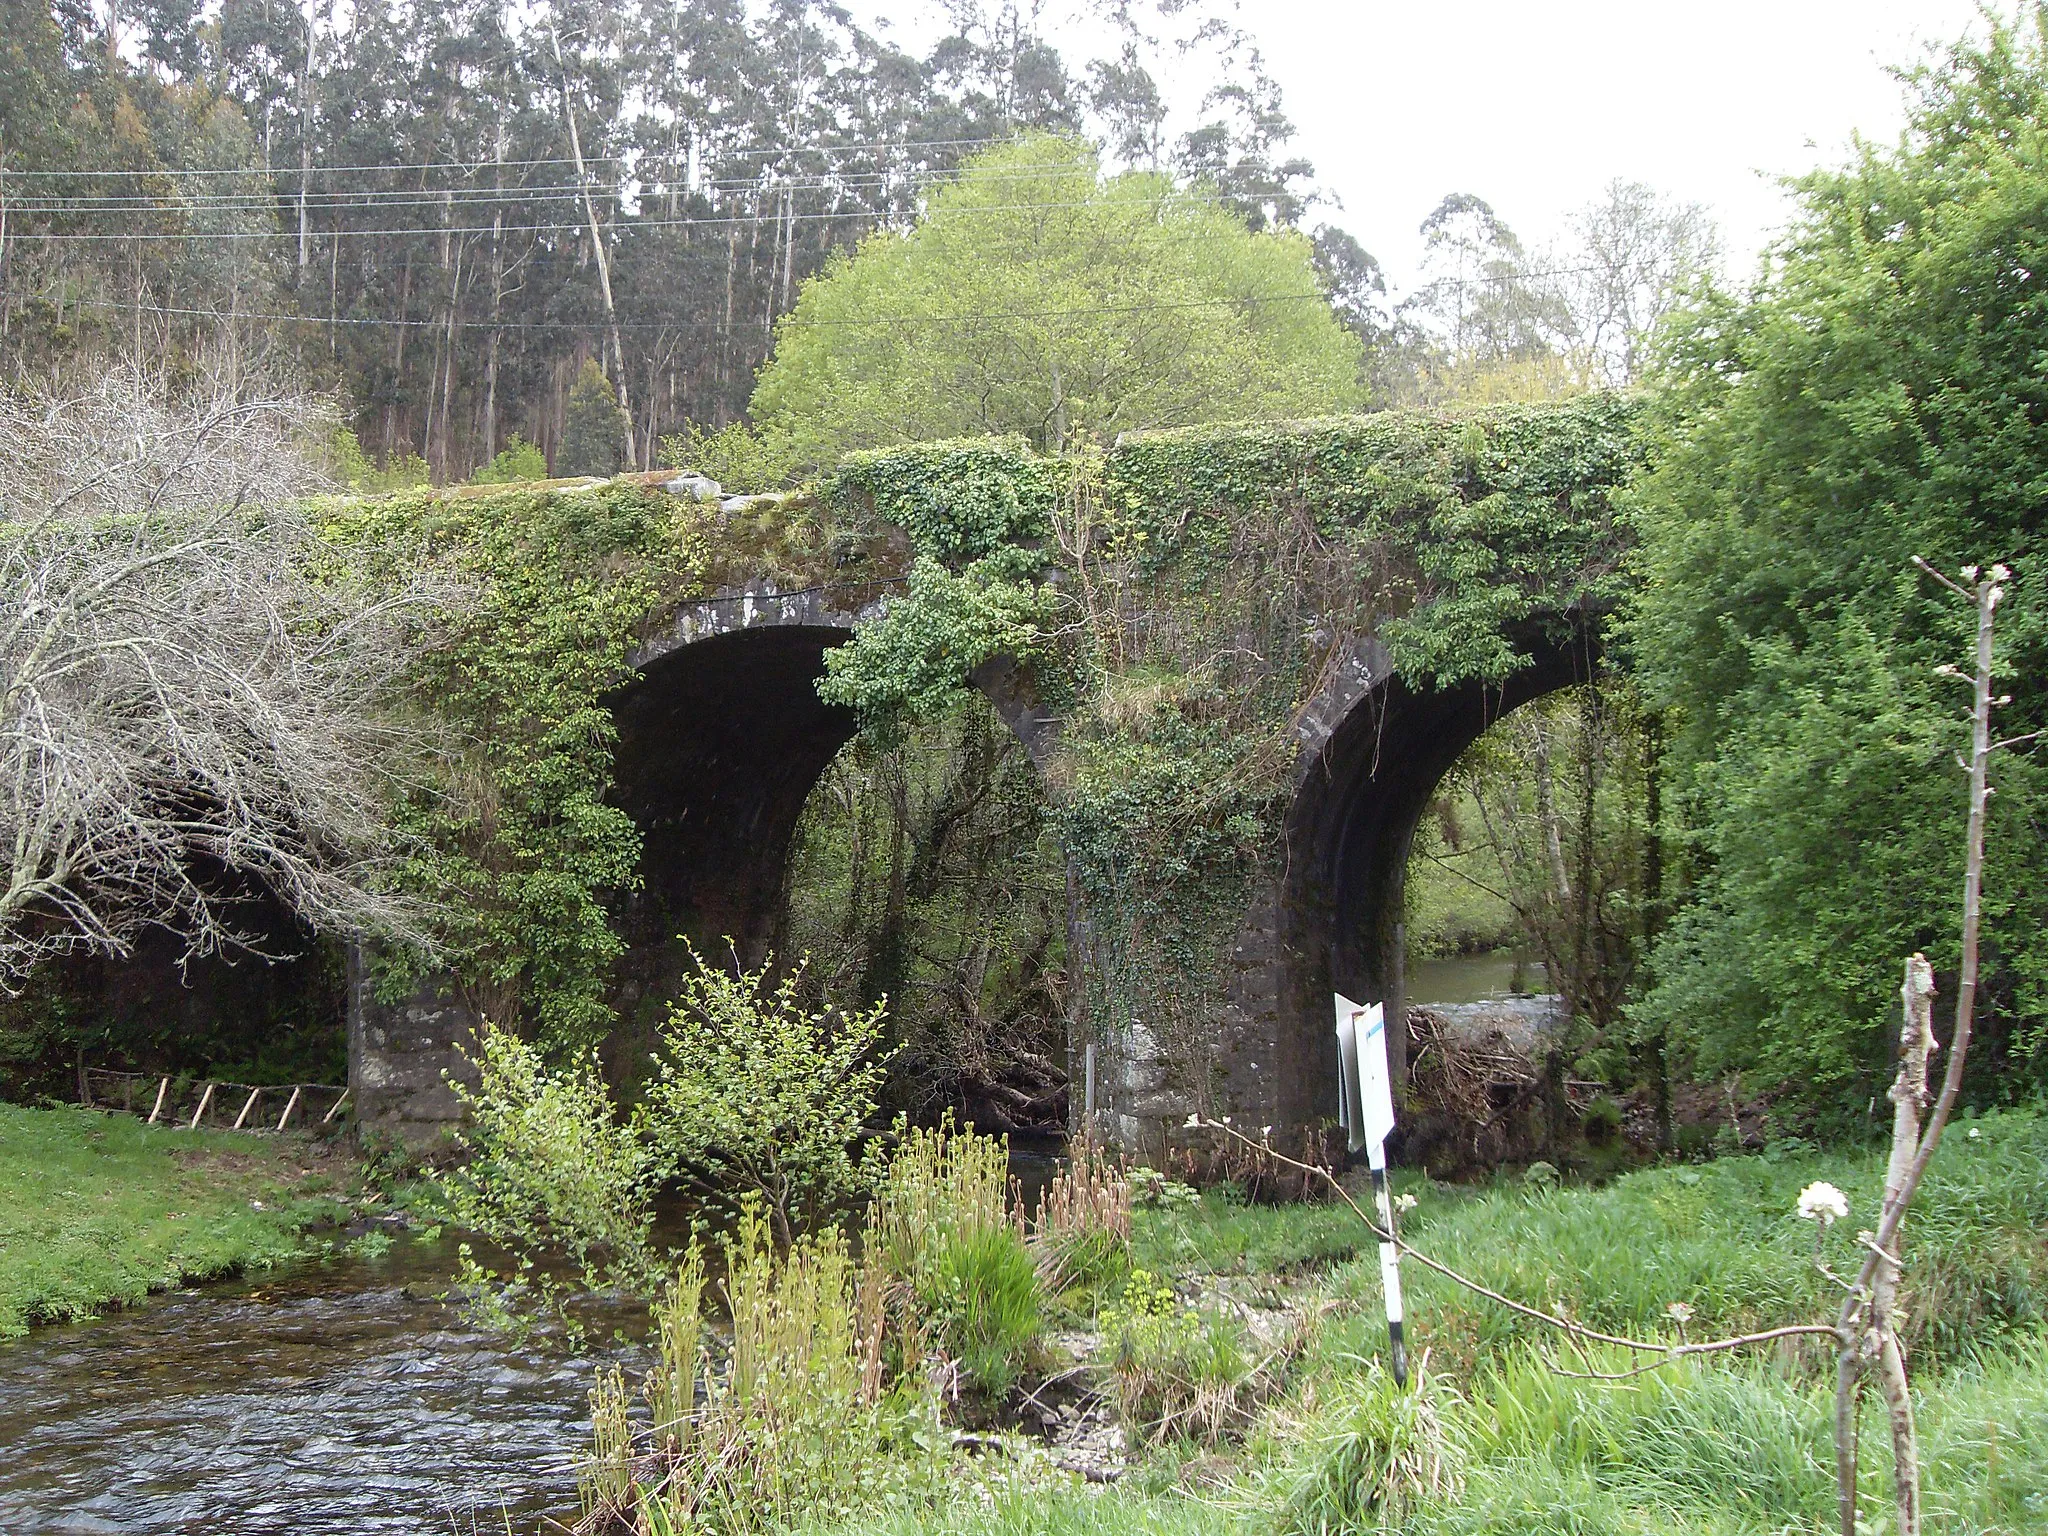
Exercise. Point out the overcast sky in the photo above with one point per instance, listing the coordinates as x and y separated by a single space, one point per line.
1537 105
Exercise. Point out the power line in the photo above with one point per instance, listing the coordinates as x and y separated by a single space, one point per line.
715 221
792 318
391 197
561 160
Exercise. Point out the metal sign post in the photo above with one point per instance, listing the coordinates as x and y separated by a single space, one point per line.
1366 1110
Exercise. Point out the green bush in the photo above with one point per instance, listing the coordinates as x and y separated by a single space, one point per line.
1873 398
739 458
552 1173
758 1093
1176 1371
517 462
593 435
355 469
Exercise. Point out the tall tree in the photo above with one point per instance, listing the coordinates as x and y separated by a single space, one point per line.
1880 394
1036 297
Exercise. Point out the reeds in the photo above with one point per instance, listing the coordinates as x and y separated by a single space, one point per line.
944 1182
948 1225
789 1418
1083 1232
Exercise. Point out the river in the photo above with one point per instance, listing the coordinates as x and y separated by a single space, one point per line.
1474 978
332 1396
329 1397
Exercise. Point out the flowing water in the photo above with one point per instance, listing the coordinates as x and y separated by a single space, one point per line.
334 1396
330 1396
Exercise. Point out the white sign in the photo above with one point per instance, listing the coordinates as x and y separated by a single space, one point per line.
1347 1070
1366 1109
1375 1083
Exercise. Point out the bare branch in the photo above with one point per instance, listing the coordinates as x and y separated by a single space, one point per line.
196 694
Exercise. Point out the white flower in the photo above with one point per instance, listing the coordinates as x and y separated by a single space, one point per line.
1822 1202
1678 1311
1193 1122
1226 1119
1404 1202
1975 1133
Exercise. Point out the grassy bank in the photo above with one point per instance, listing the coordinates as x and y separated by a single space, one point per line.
1499 1443
98 1210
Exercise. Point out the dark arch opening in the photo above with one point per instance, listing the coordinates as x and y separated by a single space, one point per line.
719 744
1350 830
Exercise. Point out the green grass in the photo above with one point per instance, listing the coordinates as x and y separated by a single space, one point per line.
1722 1237
98 1210
1734 1446
1222 1236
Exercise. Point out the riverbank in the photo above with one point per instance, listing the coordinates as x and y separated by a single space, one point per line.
98 1210
1499 1440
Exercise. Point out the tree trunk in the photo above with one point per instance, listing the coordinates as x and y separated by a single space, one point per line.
305 147
604 268
1881 1346
6 256
490 415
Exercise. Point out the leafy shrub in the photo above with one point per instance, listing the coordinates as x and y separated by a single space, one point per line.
551 1171
756 1096
1153 1190
1175 1370
516 463
740 459
355 469
757 1092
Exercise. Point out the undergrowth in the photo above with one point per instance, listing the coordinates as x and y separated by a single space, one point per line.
1493 1439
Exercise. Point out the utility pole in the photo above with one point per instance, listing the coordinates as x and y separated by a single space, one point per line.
604 270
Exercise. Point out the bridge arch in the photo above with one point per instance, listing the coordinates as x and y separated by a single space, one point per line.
1373 751
722 736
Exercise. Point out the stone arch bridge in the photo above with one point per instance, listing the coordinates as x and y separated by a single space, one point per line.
1503 523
